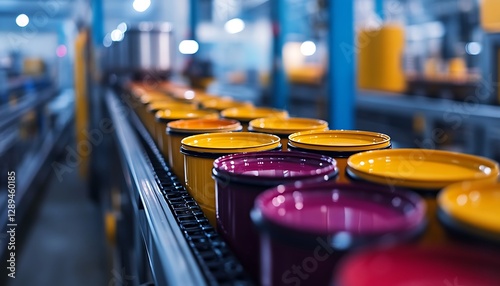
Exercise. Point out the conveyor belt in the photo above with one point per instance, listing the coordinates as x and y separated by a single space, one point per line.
212 254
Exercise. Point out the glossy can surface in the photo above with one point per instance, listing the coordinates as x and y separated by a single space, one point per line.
156 105
473 208
223 103
201 150
329 220
240 178
426 171
180 129
421 168
339 144
227 143
412 265
163 117
143 98
246 114
283 127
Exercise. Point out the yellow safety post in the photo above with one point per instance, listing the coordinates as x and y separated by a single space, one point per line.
81 102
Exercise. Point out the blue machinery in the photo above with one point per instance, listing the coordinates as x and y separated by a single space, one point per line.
97 21
279 87
379 8
341 59
341 74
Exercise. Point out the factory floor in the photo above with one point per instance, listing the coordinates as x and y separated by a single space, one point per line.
66 243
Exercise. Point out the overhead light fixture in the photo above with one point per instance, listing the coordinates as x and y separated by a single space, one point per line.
116 35
188 47
22 20
141 5
122 27
234 26
106 42
473 48
308 48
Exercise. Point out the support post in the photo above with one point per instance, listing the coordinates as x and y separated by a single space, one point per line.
279 84
97 22
341 60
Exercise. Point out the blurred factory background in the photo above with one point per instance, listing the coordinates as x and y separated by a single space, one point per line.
280 54
424 71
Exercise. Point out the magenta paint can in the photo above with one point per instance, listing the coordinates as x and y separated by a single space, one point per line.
240 178
454 264
306 228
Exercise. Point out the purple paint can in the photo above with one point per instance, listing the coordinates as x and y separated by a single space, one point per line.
306 228
240 178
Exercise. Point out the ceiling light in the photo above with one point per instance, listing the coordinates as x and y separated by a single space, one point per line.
473 48
22 20
188 47
107 41
234 26
122 27
116 35
141 5
308 48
